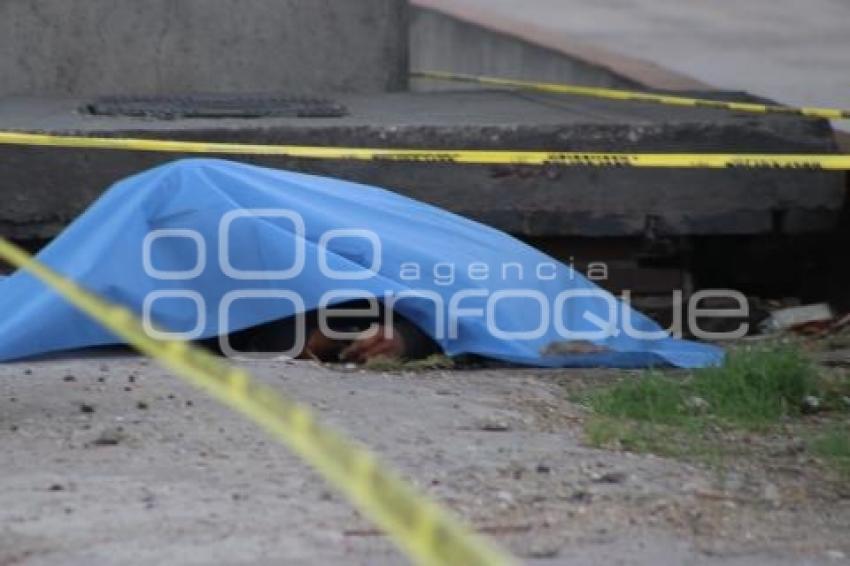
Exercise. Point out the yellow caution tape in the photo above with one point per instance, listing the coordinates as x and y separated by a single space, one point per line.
830 162
428 534
633 96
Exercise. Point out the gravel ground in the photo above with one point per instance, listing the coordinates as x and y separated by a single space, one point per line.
110 460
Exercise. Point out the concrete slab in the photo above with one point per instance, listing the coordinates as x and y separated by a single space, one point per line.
84 47
184 481
464 44
793 52
43 189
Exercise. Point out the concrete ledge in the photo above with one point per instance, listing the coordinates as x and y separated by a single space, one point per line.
43 189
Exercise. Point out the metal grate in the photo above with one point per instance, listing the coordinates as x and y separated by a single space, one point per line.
215 106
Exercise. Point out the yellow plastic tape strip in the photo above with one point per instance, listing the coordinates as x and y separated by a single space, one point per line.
829 162
633 96
428 534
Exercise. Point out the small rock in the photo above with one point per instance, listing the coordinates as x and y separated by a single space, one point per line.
27 372
612 478
581 496
771 495
131 378
56 487
810 405
543 469
110 437
541 551
697 405
69 379
142 406
489 425
505 497
86 408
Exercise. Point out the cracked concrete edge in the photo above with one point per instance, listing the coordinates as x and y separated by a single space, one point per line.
641 71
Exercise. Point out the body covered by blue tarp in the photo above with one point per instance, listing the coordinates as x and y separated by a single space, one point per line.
197 240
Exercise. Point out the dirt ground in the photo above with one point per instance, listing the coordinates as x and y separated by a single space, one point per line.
110 460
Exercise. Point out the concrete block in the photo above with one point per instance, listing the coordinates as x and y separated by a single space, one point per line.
86 47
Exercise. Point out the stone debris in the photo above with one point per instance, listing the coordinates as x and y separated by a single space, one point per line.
810 405
87 408
494 425
795 317
111 437
611 478
697 405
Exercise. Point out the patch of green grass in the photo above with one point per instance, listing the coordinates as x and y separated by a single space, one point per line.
651 397
700 415
833 447
755 387
633 436
758 385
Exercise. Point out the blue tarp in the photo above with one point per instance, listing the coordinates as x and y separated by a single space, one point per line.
194 240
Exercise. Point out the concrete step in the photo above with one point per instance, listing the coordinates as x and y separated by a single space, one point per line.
43 189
